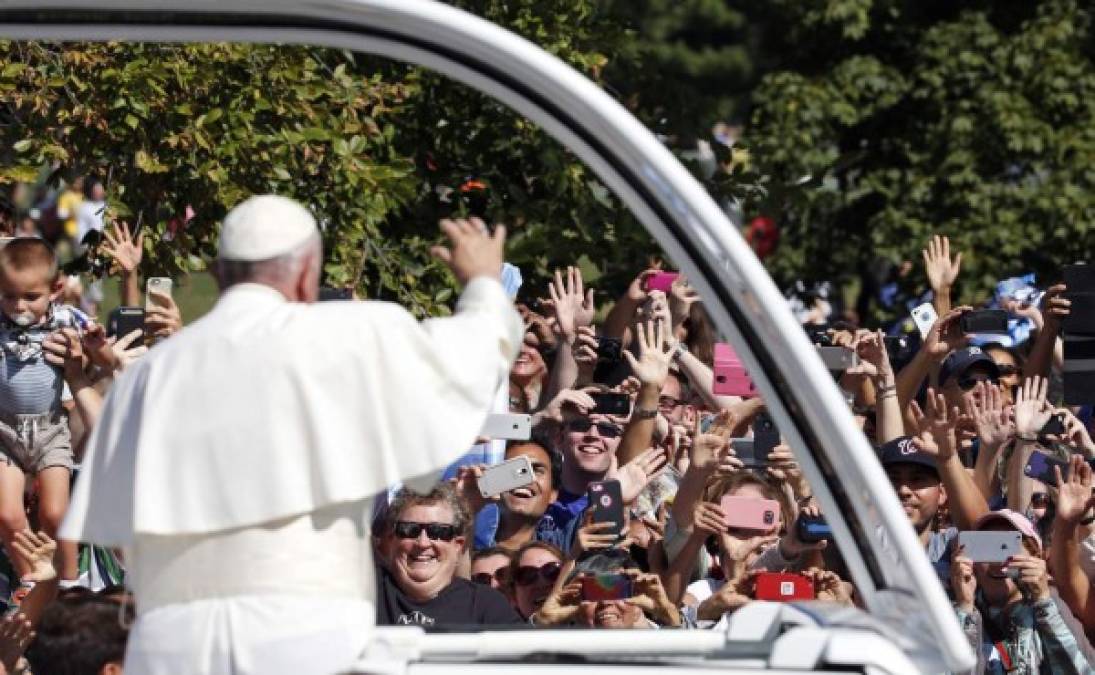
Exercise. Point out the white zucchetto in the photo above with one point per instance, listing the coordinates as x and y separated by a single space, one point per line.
264 227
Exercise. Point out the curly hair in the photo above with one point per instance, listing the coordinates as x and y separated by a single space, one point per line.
442 493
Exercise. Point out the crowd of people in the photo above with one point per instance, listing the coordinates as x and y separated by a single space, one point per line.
704 521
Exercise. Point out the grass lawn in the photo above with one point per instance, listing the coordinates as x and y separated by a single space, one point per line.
194 295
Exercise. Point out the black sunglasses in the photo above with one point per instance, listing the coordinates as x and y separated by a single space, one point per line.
1007 369
501 575
526 574
1039 500
606 429
966 383
435 531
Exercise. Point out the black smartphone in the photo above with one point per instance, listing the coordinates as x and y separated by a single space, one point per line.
611 404
812 529
1055 426
606 502
765 437
896 345
1080 280
123 321
327 293
984 321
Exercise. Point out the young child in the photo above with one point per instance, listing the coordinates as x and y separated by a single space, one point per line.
34 435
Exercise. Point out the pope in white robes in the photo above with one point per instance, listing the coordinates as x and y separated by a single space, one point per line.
236 463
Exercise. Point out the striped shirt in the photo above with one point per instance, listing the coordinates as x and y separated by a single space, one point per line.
29 385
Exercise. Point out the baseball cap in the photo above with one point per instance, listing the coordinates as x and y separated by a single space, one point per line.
1016 520
264 227
902 450
961 360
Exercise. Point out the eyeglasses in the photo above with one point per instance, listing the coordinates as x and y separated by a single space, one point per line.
435 531
966 383
1039 500
501 575
526 574
669 402
605 429
1007 369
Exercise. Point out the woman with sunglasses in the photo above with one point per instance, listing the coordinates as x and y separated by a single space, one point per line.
532 575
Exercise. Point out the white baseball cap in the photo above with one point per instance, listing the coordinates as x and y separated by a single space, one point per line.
264 227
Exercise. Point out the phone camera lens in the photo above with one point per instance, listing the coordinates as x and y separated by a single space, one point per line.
769 517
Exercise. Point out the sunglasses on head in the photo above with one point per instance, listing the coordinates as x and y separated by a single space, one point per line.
526 574
501 575
606 429
435 531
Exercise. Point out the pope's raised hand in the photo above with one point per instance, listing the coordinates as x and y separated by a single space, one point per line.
475 251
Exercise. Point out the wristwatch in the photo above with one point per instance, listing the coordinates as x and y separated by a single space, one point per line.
643 414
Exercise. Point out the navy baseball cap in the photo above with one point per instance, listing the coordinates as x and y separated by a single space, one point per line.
902 450
961 360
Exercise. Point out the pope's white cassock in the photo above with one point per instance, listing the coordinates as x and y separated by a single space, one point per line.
237 461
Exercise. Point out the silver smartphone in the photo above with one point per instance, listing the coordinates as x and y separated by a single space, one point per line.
508 427
924 317
508 475
161 284
990 547
838 358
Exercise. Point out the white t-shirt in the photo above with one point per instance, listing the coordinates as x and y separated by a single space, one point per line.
704 588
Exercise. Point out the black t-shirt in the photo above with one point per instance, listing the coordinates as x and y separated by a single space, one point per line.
461 603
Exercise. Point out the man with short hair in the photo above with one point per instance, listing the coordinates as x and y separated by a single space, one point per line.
512 521
239 460
419 542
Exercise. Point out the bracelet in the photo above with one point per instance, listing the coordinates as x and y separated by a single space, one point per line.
679 350
887 389
1028 439
643 414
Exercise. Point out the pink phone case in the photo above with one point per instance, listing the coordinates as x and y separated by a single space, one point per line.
730 376
662 281
750 513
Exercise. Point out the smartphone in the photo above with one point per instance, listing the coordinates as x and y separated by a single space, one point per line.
509 475
611 404
744 449
730 376
1080 280
838 359
896 345
1040 467
609 349
783 587
1055 426
811 530
507 427
990 547
662 281
124 320
606 503
327 294
924 317
598 587
161 284
1079 368
765 437
984 321
750 513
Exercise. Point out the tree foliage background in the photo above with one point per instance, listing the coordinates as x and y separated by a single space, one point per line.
869 125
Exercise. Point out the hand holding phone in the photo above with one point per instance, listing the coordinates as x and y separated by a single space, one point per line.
161 285
750 513
661 281
509 475
606 503
507 426
608 586
606 403
994 321
123 321
991 547
783 587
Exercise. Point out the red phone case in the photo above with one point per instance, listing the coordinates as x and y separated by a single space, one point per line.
783 587
730 376
750 513
662 281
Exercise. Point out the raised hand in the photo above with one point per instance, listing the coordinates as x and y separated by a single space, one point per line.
124 354
650 595
945 335
652 366
637 474
121 246
681 298
963 582
937 428
708 518
466 484
579 399
585 351
561 606
163 319
1033 576
1055 307
595 536
985 407
16 634
1074 496
572 305
36 551
828 586
657 309
942 270
475 251
1031 409
707 449
64 349
1076 433
874 362
636 290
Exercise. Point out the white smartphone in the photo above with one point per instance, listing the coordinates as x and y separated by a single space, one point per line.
924 317
991 547
508 475
507 427
161 284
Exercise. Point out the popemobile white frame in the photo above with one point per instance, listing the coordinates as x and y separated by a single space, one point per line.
910 626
